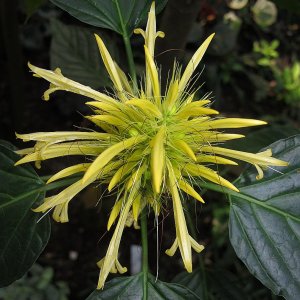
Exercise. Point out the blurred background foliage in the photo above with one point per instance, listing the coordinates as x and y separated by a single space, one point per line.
252 69
37 284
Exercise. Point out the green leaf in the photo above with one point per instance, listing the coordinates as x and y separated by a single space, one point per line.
22 238
121 16
132 288
256 140
221 284
264 222
74 50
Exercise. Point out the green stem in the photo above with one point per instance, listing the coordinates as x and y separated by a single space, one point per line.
128 48
130 59
192 229
144 253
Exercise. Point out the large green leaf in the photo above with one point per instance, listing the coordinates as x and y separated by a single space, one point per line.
131 287
220 284
22 237
265 221
74 50
121 16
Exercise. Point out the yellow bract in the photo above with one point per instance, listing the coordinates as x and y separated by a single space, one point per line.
153 146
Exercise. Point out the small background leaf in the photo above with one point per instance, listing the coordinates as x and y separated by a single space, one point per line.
132 288
74 50
104 13
22 239
264 222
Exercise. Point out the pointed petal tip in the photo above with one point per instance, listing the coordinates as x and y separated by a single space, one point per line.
17 163
259 122
37 209
188 266
234 188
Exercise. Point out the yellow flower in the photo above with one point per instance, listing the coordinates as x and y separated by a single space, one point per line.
150 146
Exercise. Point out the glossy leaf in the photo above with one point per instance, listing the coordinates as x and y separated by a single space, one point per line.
74 50
121 16
265 221
22 238
131 287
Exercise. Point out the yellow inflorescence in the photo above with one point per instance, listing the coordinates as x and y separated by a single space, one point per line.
150 145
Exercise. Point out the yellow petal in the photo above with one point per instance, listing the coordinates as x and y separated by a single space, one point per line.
192 65
136 176
111 68
60 212
196 111
119 174
152 72
184 147
251 158
182 234
204 172
69 171
189 104
62 136
150 36
158 159
146 106
65 149
64 196
136 205
171 251
196 246
183 185
172 94
114 213
111 256
124 80
215 159
232 123
63 83
107 155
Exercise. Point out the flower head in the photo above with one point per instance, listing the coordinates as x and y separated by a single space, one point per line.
147 146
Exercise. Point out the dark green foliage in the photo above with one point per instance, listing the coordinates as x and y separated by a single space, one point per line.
121 16
22 237
132 288
74 50
265 222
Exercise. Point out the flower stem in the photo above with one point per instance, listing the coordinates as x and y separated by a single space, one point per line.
130 58
144 253
127 44
192 229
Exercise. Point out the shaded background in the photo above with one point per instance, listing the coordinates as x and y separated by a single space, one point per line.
252 68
